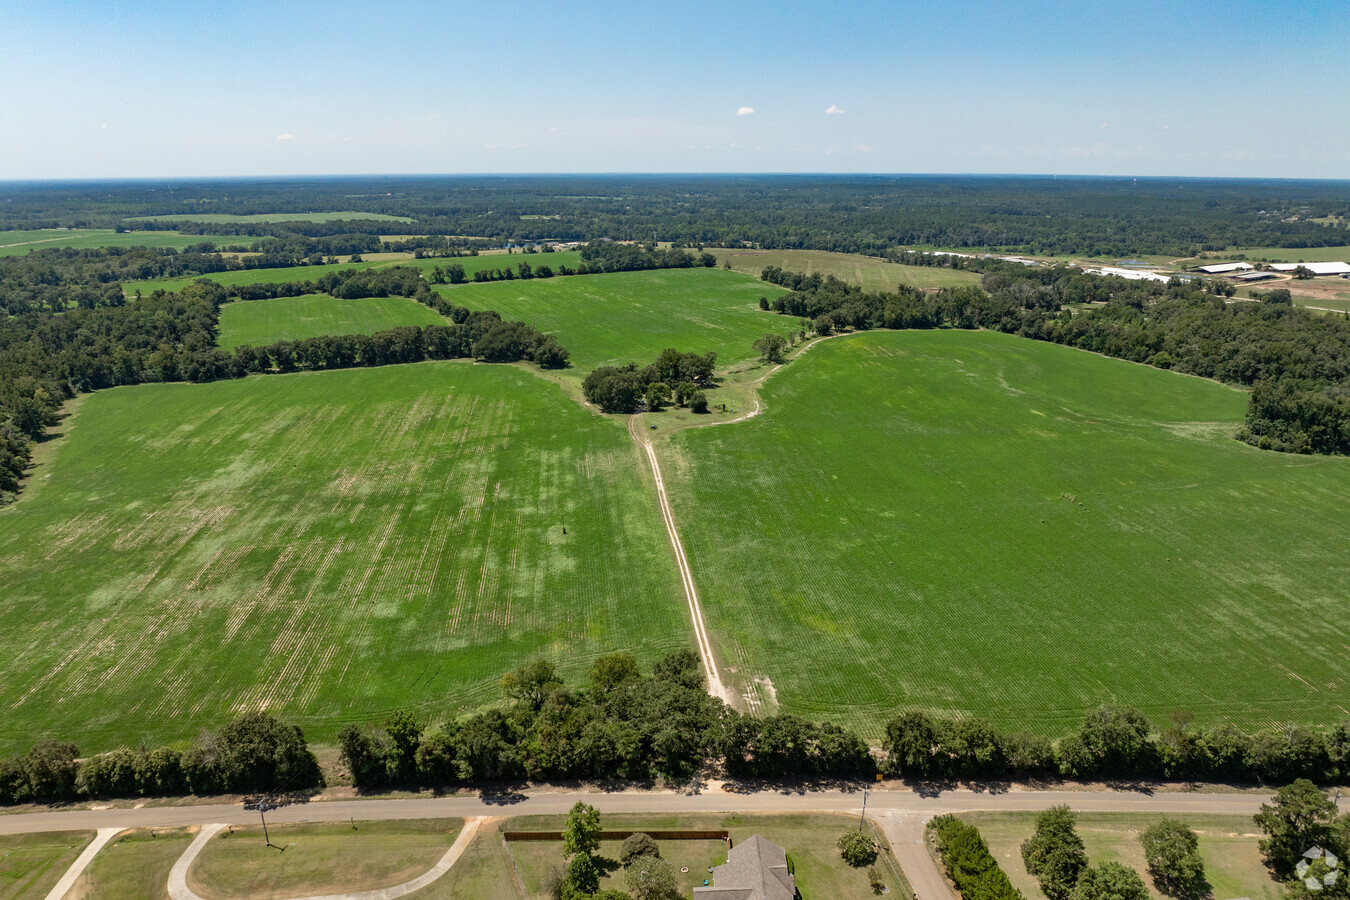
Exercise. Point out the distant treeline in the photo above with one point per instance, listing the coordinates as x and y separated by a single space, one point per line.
47 358
847 213
1297 362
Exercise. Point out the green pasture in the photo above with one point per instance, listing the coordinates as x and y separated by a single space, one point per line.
260 322
1293 254
32 864
975 524
868 272
1228 847
633 316
471 264
19 243
326 546
267 218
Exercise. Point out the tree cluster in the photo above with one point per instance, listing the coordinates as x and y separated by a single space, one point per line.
1055 856
673 376
1114 742
1299 818
252 754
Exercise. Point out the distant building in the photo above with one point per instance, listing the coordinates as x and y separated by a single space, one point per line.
1248 277
1134 274
754 870
1317 268
1224 268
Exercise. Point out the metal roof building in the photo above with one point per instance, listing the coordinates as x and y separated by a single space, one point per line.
1317 268
1222 268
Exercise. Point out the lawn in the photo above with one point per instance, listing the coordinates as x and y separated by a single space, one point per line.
810 842
31 864
1228 845
972 523
869 272
134 866
633 316
223 218
319 858
471 264
327 546
19 243
260 322
1293 254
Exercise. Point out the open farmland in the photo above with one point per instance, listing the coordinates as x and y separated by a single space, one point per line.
974 524
267 218
326 546
868 272
471 264
633 316
260 322
19 243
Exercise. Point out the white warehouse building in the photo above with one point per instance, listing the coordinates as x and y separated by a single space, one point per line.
1317 268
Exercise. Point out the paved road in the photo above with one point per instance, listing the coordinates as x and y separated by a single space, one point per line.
880 804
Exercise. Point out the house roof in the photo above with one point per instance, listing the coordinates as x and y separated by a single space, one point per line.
755 869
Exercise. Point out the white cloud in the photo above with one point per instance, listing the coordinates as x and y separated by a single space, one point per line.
746 111
103 126
281 138
834 111
864 148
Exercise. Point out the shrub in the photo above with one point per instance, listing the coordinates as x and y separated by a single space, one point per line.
1173 853
636 846
1054 854
969 863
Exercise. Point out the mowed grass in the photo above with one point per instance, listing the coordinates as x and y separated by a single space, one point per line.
318 858
260 322
868 272
325 546
134 866
1293 254
633 316
291 274
1228 846
32 864
974 524
19 243
223 218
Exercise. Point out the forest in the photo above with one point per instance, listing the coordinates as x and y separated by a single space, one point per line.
853 214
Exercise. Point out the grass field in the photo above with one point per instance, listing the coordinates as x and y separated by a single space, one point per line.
1294 254
471 264
633 316
260 322
31 864
133 866
327 546
1228 845
222 218
19 243
869 272
972 523
319 858
808 839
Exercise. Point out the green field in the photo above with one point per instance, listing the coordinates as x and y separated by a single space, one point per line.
471 264
260 322
328 546
633 316
1293 254
222 218
868 272
19 243
1228 846
976 524
134 866
32 864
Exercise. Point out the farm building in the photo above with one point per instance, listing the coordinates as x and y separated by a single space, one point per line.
1133 274
755 870
1249 277
1317 268
1226 268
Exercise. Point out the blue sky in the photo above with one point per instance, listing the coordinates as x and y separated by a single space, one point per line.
150 89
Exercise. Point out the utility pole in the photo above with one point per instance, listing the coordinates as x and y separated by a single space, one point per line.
863 817
262 810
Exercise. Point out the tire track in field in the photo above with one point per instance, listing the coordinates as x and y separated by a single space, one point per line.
705 651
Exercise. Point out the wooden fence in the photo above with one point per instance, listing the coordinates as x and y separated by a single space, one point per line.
705 835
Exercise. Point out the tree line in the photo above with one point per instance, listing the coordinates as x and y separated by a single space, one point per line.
1297 362
253 753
